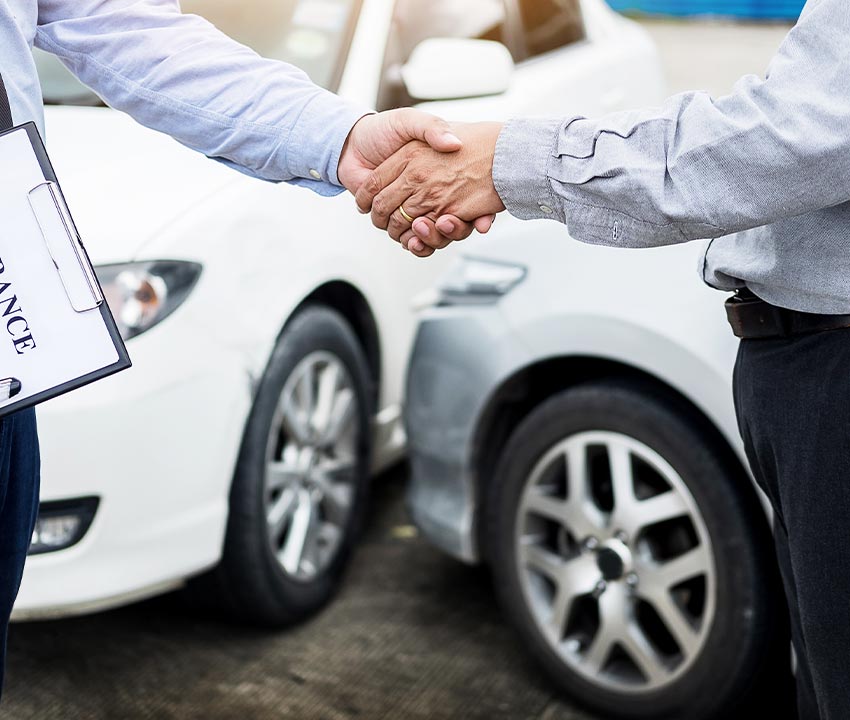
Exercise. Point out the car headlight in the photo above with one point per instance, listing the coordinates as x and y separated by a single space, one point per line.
142 294
479 282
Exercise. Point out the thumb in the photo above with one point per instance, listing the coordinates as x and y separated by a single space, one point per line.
418 125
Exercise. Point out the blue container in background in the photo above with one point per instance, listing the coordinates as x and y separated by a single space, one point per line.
762 9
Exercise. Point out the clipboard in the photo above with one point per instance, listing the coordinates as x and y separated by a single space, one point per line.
56 330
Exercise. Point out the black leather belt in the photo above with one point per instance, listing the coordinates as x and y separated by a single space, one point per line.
753 318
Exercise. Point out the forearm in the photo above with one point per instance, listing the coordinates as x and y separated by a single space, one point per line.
696 167
178 74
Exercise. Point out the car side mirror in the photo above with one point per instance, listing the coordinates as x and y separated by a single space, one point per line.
452 68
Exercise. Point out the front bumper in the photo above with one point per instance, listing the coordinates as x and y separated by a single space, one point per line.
157 445
461 355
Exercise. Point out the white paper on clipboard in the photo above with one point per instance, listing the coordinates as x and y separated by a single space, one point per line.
47 289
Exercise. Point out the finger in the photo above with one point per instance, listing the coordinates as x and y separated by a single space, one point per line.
426 231
382 176
454 228
417 247
386 203
427 234
398 225
406 191
406 238
423 227
418 125
483 224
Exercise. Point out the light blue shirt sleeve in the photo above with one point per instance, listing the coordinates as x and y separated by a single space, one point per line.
178 74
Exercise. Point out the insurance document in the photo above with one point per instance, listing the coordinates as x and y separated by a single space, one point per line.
56 332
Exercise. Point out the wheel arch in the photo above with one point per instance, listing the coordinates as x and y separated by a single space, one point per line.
349 302
524 390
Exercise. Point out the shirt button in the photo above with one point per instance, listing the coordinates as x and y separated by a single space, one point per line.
315 174
546 209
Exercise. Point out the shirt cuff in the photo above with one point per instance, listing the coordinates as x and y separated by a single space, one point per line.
315 144
521 168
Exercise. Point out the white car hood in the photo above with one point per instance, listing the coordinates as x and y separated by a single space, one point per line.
123 182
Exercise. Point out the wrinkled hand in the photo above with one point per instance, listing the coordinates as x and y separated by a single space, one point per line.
443 192
375 138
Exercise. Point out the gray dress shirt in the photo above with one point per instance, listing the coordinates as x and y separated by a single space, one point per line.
765 171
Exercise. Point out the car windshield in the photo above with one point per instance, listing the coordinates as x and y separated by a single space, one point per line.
312 34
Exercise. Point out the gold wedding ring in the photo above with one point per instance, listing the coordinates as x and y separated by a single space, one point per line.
405 215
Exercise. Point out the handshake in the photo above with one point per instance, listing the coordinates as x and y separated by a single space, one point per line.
426 183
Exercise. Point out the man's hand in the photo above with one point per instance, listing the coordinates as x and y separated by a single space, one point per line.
374 138
441 190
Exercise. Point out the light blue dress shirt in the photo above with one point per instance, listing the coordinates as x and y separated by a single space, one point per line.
176 73
765 171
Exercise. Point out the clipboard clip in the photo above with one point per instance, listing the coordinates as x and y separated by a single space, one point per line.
65 247
9 387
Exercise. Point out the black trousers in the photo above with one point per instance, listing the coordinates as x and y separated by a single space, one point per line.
792 397
19 480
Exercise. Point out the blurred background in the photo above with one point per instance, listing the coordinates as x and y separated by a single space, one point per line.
504 483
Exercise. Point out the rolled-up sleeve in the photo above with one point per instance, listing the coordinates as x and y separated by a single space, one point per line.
178 74
697 167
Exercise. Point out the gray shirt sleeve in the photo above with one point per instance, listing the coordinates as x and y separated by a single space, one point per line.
697 167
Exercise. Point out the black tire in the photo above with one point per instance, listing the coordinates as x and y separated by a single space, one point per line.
250 584
748 627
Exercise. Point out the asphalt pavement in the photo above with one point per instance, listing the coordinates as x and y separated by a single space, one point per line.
412 635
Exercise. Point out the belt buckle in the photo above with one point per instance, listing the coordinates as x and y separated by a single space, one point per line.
752 317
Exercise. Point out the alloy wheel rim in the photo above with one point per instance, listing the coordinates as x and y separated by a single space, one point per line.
615 562
311 466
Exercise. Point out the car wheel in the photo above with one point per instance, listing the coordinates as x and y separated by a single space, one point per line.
631 558
298 496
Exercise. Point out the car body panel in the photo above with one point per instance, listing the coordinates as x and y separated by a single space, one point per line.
99 155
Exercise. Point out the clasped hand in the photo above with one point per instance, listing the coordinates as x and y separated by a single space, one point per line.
425 182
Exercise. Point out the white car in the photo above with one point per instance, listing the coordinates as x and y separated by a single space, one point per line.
269 328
